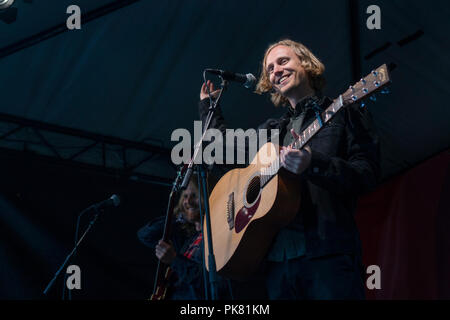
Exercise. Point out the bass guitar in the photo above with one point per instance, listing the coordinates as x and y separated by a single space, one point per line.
163 271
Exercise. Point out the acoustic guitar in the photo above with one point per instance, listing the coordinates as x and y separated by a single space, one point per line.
249 206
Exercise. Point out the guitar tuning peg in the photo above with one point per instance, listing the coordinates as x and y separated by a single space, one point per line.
385 90
373 97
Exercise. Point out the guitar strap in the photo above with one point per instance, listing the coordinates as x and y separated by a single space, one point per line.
296 121
194 247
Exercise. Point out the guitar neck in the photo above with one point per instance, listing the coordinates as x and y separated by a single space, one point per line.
268 172
317 124
161 270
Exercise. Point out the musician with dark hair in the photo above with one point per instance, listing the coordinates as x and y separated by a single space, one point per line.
318 254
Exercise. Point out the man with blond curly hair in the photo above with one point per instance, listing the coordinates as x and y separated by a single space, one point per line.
318 255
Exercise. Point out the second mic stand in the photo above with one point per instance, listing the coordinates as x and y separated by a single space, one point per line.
77 244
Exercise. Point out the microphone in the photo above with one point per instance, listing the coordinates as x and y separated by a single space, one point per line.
248 79
113 201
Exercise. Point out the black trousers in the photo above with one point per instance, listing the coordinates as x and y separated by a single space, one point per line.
331 277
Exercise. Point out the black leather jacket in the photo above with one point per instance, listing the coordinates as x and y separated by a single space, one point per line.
344 165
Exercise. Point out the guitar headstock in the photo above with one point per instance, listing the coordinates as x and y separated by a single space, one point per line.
368 85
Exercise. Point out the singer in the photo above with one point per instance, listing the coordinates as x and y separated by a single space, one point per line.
318 255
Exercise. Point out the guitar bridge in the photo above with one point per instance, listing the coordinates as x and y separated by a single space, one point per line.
230 211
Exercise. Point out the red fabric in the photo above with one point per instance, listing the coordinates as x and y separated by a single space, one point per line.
194 246
404 227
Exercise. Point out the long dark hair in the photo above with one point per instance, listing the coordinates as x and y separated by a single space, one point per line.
178 211
187 226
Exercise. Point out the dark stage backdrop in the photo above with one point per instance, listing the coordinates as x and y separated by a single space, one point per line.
404 228
39 205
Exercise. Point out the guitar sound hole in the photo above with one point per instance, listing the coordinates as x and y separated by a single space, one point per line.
253 189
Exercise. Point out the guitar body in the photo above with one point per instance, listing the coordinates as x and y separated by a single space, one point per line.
245 217
162 285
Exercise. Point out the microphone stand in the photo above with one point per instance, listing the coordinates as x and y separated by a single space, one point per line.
203 192
205 278
77 244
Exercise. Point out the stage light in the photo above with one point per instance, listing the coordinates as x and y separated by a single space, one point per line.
4 4
8 14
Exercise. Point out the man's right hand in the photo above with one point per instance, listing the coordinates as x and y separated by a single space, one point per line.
204 91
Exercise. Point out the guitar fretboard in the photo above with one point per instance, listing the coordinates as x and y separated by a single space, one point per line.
270 171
